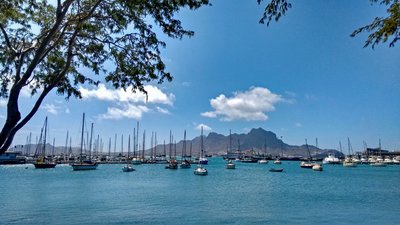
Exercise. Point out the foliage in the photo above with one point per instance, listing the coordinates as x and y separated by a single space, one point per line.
380 30
45 45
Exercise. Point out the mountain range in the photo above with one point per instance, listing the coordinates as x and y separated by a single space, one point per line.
257 140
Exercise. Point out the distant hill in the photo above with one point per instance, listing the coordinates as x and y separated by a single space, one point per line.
258 140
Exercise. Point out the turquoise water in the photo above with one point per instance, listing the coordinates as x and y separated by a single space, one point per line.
154 195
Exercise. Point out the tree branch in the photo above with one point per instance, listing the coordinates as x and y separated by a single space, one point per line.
7 39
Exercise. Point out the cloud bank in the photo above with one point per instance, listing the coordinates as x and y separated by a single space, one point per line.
127 104
251 105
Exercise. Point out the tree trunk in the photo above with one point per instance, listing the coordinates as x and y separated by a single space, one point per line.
10 131
13 116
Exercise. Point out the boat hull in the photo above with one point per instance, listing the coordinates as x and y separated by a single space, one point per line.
200 171
127 169
44 165
84 166
230 166
276 170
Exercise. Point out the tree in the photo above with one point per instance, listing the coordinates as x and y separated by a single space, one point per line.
44 45
380 30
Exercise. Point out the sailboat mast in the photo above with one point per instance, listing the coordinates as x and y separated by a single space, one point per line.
66 144
122 145
134 142
29 143
109 147
54 143
137 137
348 145
170 144
44 139
155 145
184 145
230 141
83 128
90 143
144 143
129 145
201 144
165 150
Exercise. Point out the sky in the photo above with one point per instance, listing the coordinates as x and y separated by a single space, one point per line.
303 77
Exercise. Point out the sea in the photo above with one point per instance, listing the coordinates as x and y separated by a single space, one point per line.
250 194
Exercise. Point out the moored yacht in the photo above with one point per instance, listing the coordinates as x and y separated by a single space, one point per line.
42 162
200 170
230 165
277 161
331 159
317 167
87 164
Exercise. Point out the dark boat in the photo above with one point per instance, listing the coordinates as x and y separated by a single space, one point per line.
276 170
185 164
87 164
42 161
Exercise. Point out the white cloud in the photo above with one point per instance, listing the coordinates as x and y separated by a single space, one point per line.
205 127
154 94
162 110
127 111
51 108
298 124
129 104
67 111
251 105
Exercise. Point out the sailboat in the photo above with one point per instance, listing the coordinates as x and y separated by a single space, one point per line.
379 162
348 161
87 164
230 164
172 163
185 164
309 164
277 160
264 160
136 159
200 170
42 162
128 167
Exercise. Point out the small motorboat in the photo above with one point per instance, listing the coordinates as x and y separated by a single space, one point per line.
127 168
230 165
200 171
317 167
276 170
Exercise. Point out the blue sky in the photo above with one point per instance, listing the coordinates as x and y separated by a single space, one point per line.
303 77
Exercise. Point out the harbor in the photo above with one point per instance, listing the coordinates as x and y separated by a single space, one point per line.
250 194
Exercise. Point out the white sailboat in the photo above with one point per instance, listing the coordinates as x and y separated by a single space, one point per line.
136 159
309 164
200 170
348 161
264 160
128 167
230 164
